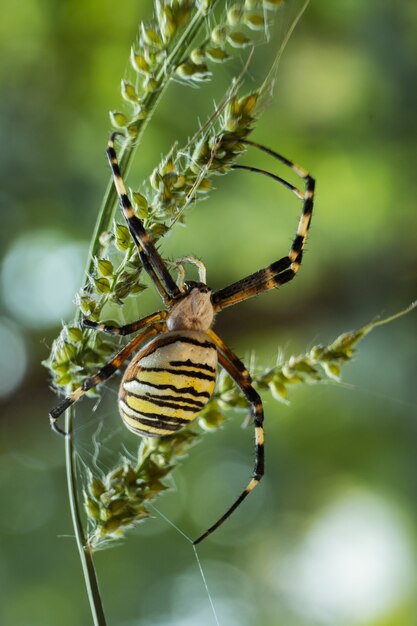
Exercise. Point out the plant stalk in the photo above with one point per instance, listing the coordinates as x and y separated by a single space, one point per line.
84 549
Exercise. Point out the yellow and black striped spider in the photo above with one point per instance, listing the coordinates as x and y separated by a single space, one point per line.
173 374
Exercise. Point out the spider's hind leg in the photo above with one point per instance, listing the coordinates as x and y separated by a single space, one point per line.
240 375
126 329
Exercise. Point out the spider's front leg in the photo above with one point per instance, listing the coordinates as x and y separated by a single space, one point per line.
283 270
240 375
148 254
103 374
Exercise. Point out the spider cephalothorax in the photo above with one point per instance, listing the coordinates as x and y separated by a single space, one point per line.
173 373
193 311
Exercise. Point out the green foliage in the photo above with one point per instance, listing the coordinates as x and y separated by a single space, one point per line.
117 501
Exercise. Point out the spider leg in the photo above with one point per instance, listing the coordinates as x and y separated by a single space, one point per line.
283 270
241 376
231 356
126 329
149 256
105 372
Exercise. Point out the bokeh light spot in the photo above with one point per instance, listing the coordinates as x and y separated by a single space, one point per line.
40 275
336 94
354 564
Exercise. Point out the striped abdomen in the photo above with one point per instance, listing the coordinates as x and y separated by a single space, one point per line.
168 383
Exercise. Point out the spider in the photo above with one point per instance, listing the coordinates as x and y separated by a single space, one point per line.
173 373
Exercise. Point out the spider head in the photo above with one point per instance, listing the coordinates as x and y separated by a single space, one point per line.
194 310
189 285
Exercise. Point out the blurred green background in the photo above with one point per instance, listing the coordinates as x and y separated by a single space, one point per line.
330 536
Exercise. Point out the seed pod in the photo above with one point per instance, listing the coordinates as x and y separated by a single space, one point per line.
117 119
60 368
234 15
92 508
248 104
233 108
216 54
193 71
129 475
111 527
150 36
197 56
156 179
169 179
133 128
105 238
139 63
86 304
129 92
168 167
141 204
74 334
166 22
121 292
254 21
122 237
64 380
332 370
96 488
118 507
150 84
218 35
180 182
238 40
158 230
201 152
105 267
205 185
279 391
102 285
317 352
303 366
67 352
138 288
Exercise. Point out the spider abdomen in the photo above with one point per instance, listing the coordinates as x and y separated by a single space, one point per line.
168 383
